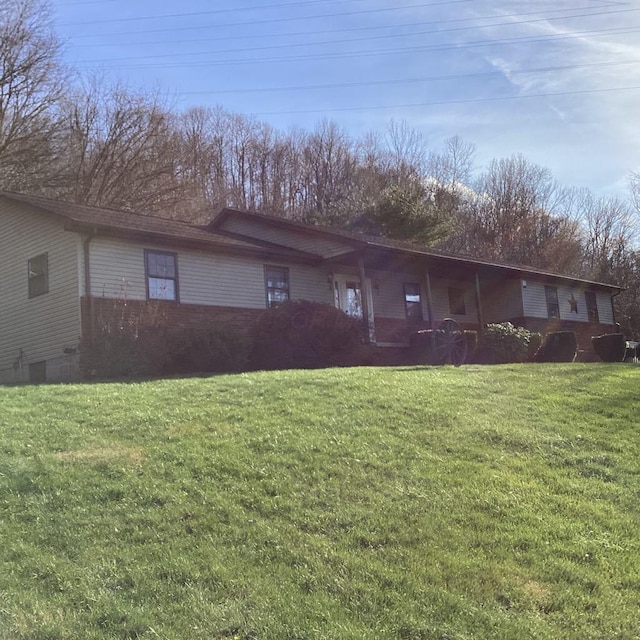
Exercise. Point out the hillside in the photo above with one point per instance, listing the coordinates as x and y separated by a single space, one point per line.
409 503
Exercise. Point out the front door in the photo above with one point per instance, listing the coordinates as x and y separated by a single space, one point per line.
348 297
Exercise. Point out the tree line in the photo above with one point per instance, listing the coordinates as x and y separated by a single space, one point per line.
89 141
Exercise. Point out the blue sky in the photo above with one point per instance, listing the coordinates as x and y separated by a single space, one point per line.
557 81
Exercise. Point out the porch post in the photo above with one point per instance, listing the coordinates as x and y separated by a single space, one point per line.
364 298
427 281
479 302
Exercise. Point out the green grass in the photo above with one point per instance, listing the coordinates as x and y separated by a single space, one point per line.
409 503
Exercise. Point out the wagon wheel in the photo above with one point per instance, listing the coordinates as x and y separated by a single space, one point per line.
449 343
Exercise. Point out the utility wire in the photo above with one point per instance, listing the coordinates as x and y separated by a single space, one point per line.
379 52
350 40
444 102
271 20
460 76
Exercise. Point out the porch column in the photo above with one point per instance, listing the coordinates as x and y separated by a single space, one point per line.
479 303
364 298
427 282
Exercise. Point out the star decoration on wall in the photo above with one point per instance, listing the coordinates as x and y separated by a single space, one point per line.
573 303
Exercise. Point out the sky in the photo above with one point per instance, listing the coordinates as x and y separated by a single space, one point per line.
556 81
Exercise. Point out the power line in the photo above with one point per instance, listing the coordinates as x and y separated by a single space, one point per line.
380 52
271 20
443 102
363 39
349 85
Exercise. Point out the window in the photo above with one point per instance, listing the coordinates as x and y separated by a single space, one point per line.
456 302
551 295
162 275
412 302
276 281
592 306
38 268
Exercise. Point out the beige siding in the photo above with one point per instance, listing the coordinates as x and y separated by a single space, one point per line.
118 271
388 300
501 300
41 328
440 294
535 303
286 237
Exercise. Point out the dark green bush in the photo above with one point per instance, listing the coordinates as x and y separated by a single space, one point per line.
535 342
558 346
610 347
208 347
472 344
300 334
502 343
128 350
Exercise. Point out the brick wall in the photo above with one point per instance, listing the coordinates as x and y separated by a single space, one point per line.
159 313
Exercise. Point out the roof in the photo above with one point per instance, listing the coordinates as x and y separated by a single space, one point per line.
86 218
360 241
81 217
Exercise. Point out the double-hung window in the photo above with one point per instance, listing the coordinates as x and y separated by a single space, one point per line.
412 302
38 269
551 296
592 306
162 275
457 306
276 280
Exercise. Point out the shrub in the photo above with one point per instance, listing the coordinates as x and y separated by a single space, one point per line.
300 334
610 347
558 346
535 342
502 343
208 347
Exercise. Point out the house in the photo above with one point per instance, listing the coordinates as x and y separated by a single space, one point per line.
61 264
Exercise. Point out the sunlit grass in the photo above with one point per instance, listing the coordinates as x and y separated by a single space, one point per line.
411 503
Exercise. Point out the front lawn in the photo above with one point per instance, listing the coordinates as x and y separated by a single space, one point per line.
411 503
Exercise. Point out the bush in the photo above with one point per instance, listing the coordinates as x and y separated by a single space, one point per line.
558 346
421 347
503 343
208 347
535 342
300 334
131 351
471 338
610 347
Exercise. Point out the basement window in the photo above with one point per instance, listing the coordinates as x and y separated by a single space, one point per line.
38 269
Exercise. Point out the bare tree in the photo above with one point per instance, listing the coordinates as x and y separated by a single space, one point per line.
119 150
31 81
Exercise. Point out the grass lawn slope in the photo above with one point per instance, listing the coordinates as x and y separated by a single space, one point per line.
410 503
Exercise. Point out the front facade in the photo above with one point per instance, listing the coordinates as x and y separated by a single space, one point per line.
64 266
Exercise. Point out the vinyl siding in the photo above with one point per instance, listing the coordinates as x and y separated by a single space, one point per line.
535 303
440 294
39 328
286 237
501 300
118 271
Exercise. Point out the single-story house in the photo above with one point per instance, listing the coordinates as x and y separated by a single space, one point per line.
61 263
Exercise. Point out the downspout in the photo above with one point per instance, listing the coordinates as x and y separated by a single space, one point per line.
613 309
364 296
87 285
427 281
479 303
